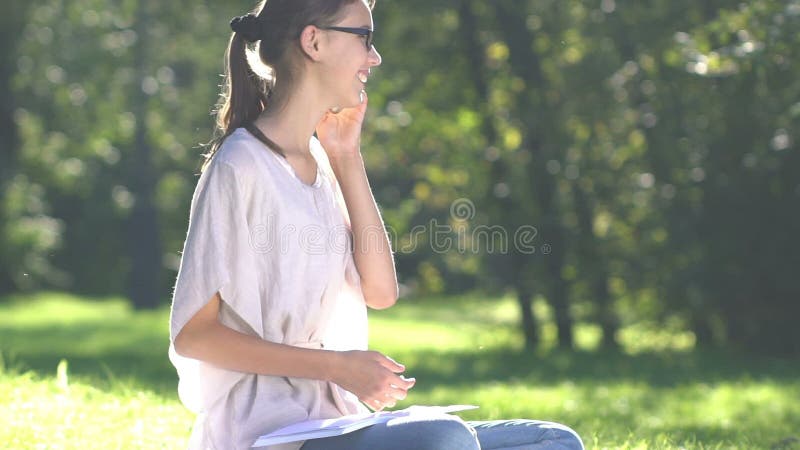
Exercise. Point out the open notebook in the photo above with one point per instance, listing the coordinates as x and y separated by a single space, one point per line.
314 429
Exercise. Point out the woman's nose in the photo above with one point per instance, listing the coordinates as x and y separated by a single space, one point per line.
374 57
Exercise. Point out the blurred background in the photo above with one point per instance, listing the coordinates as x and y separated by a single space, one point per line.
649 150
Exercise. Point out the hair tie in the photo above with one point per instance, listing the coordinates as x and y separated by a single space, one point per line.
249 26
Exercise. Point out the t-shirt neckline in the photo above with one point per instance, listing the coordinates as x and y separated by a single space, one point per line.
283 162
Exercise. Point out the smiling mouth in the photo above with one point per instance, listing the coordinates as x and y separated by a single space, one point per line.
362 77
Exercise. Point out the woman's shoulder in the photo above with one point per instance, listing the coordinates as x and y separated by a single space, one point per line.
241 154
234 162
239 150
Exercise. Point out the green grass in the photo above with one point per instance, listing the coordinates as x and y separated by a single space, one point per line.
77 373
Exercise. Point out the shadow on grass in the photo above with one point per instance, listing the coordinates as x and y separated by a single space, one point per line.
655 369
104 354
117 350
106 342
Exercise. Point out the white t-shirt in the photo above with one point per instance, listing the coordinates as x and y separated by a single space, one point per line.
279 252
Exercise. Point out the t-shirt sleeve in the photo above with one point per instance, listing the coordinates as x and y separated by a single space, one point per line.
216 255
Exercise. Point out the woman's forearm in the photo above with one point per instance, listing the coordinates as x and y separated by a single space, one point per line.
373 377
206 339
371 248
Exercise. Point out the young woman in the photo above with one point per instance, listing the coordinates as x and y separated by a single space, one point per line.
286 248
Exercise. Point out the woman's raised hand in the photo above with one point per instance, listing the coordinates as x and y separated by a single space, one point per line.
373 377
340 133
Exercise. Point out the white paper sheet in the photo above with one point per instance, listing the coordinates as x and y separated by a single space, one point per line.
314 429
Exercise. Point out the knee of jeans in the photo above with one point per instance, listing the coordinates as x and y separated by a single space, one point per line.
446 434
568 438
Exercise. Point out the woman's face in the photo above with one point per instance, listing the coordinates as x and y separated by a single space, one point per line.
348 61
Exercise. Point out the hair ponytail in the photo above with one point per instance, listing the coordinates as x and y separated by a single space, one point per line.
244 94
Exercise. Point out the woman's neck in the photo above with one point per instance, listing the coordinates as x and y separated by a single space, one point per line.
292 123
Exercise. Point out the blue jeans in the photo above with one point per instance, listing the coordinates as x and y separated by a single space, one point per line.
451 433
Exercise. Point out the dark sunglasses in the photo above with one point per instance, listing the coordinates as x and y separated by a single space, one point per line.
359 31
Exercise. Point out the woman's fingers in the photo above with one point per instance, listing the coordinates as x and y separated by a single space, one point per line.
389 399
397 390
402 382
396 393
397 381
362 108
391 364
357 112
375 378
378 404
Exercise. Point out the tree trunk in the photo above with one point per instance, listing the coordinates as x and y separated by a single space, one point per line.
11 25
524 299
559 291
144 281
509 266
595 267
703 333
526 64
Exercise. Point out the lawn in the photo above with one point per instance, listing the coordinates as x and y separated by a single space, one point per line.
79 373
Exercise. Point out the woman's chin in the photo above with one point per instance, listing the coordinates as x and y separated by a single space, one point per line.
352 101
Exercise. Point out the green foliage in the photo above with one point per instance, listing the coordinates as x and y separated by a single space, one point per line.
650 146
77 90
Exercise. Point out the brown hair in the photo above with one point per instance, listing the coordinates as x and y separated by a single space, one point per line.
251 74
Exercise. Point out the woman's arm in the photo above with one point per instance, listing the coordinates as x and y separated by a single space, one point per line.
203 338
371 248
370 375
340 135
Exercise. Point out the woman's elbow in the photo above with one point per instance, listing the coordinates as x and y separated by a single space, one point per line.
380 298
188 343
180 344
185 343
189 339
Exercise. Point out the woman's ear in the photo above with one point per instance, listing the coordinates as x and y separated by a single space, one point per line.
310 42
